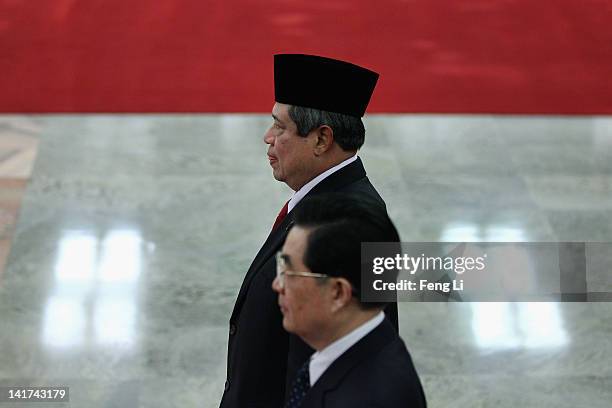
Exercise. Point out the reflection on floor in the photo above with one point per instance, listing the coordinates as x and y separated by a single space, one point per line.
124 265
18 148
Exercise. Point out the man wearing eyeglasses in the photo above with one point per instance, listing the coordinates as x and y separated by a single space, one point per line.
312 147
360 361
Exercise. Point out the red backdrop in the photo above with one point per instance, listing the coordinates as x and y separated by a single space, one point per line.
470 56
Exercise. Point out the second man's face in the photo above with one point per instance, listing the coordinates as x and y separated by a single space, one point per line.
304 302
290 155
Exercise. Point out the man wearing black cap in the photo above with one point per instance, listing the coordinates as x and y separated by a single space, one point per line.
360 361
313 145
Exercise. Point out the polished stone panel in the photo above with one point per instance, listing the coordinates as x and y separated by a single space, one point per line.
18 149
135 232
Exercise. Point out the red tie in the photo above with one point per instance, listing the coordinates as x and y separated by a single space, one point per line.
281 215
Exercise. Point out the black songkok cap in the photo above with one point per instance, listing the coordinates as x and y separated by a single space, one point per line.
322 83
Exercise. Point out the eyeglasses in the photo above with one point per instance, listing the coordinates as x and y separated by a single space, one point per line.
281 271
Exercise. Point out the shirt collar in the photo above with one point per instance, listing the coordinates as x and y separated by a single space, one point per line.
321 360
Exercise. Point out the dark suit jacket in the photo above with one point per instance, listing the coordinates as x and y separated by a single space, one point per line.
262 357
377 371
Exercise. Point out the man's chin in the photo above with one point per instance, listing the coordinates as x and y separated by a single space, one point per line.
287 325
277 176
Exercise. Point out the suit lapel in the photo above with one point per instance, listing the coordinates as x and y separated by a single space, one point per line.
368 346
272 244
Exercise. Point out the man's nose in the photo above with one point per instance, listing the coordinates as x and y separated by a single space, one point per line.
268 137
276 286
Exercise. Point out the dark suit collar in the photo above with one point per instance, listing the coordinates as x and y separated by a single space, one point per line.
335 181
347 175
341 178
368 346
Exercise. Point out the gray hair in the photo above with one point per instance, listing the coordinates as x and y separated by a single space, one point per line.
349 131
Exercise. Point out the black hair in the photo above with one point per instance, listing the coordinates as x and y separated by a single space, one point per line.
340 222
349 131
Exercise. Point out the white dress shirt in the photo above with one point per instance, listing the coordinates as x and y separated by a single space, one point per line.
321 360
301 193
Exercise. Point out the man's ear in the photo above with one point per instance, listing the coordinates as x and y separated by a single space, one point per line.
324 141
342 293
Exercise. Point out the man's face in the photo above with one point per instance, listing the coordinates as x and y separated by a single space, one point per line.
289 154
304 301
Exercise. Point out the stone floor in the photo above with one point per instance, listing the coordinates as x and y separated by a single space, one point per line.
134 233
